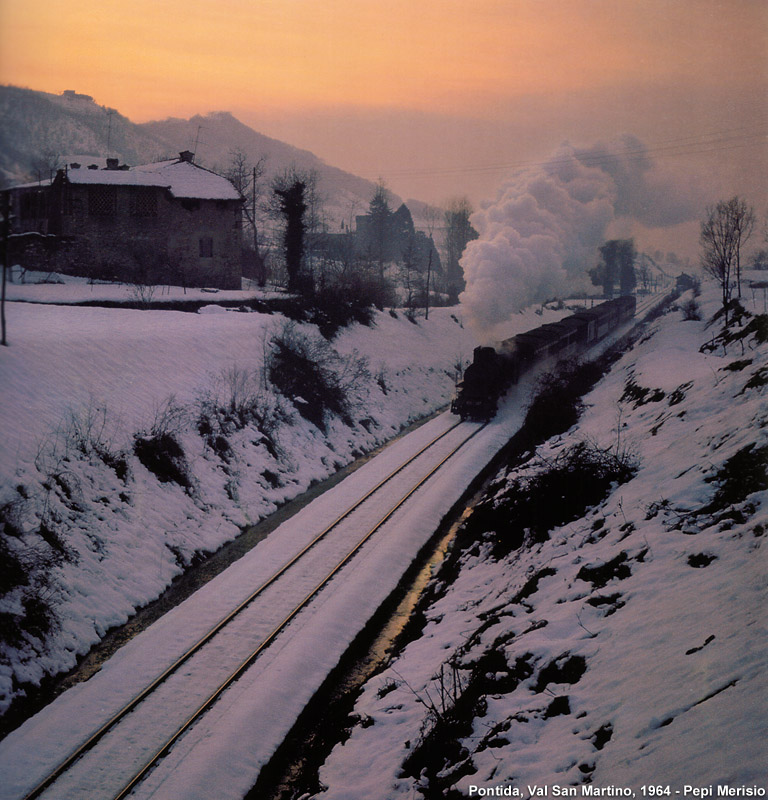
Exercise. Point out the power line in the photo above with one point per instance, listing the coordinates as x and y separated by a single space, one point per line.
689 145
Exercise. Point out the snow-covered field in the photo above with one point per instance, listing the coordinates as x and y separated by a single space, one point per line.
102 534
628 648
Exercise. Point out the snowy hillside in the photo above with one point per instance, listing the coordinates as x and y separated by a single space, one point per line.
603 623
145 438
96 400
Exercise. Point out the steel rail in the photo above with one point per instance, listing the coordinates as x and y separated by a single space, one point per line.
97 735
248 661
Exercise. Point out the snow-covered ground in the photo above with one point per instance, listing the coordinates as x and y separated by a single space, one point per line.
96 532
628 648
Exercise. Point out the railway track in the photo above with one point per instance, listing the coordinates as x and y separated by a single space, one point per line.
116 757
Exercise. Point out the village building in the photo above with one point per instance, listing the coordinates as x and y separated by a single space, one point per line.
171 222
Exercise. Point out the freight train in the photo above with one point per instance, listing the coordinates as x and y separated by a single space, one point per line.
493 371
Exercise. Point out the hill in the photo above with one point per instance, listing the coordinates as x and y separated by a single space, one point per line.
41 131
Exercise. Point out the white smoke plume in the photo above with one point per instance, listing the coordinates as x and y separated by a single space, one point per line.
541 234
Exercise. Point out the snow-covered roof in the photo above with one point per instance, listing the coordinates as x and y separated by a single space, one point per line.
182 178
45 184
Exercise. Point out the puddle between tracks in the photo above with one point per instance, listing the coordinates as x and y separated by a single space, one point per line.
292 772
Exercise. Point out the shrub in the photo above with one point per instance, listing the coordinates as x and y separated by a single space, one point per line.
159 449
691 310
237 399
340 300
557 398
579 477
25 582
742 474
758 326
640 395
164 457
85 432
314 376
346 299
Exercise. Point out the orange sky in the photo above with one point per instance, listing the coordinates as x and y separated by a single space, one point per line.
453 82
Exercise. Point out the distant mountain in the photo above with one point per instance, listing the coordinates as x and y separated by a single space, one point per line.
213 137
38 129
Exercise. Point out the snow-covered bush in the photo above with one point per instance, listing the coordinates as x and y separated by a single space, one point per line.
310 373
691 310
237 398
580 476
556 404
159 448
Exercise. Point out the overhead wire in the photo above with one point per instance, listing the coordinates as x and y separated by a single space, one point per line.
683 146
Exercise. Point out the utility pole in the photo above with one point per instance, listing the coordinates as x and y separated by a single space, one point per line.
6 259
197 140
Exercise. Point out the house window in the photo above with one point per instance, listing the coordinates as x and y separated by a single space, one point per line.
144 202
102 201
206 247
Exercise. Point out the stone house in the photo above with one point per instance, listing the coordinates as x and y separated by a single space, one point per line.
171 222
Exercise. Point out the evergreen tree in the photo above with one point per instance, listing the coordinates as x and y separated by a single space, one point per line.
380 226
293 206
617 263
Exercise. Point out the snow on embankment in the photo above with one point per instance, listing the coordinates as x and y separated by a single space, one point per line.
621 644
135 440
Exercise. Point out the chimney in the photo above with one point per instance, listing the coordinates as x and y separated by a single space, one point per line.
74 165
113 163
187 155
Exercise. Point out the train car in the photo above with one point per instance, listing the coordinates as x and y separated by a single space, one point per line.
493 370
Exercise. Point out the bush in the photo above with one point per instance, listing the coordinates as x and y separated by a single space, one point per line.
158 448
340 300
691 310
85 432
164 457
347 299
640 395
742 474
25 581
315 377
238 399
557 402
524 510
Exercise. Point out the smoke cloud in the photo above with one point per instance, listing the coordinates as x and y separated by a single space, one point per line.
541 234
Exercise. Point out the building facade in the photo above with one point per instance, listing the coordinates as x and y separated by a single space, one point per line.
171 222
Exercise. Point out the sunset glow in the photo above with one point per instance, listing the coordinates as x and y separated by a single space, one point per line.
386 88
170 57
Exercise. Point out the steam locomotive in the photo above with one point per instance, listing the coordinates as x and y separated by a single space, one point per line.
493 371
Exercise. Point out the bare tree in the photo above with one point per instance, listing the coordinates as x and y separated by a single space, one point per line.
410 278
47 163
727 227
431 217
247 177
